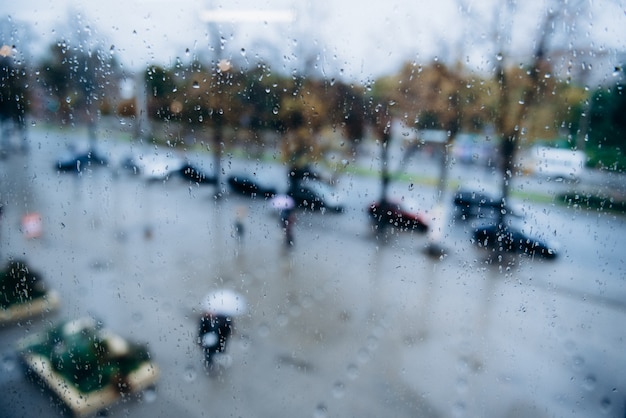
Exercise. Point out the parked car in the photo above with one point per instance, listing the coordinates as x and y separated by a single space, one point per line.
395 213
191 171
512 240
314 195
249 186
76 160
153 165
474 204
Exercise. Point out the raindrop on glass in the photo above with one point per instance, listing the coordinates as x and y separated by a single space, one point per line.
605 405
352 371
339 390
578 362
263 330
195 85
320 411
459 409
137 316
149 395
8 363
590 382
461 385
190 374
282 320
372 342
363 355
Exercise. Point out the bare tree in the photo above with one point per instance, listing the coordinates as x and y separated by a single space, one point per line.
510 121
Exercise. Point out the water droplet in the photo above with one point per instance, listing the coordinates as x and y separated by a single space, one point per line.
243 52
321 411
499 57
363 355
275 111
590 382
461 385
149 395
195 85
190 374
372 342
577 362
352 371
459 409
339 390
8 362
605 405
282 320
68 99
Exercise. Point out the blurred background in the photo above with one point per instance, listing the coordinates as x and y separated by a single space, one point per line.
421 204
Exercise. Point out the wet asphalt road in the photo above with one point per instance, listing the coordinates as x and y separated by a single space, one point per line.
344 324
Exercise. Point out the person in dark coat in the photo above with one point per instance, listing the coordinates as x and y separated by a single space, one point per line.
214 332
287 219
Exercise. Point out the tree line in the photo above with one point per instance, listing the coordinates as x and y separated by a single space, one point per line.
78 83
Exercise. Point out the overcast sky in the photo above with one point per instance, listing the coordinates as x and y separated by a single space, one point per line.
358 39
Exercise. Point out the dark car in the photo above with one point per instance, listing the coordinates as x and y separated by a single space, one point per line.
395 214
473 204
246 185
316 195
77 161
191 172
512 240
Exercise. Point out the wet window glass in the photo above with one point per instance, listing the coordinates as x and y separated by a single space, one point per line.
312 209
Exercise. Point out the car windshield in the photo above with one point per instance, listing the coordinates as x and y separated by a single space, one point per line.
312 208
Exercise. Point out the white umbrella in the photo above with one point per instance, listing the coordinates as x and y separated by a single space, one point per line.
224 302
282 201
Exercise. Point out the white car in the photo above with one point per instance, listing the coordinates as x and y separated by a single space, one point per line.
154 164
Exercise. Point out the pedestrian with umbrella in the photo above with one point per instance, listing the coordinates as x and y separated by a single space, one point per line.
216 323
285 204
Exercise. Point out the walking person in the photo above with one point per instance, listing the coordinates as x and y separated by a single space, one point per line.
287 219
216 325
213 333
238 226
